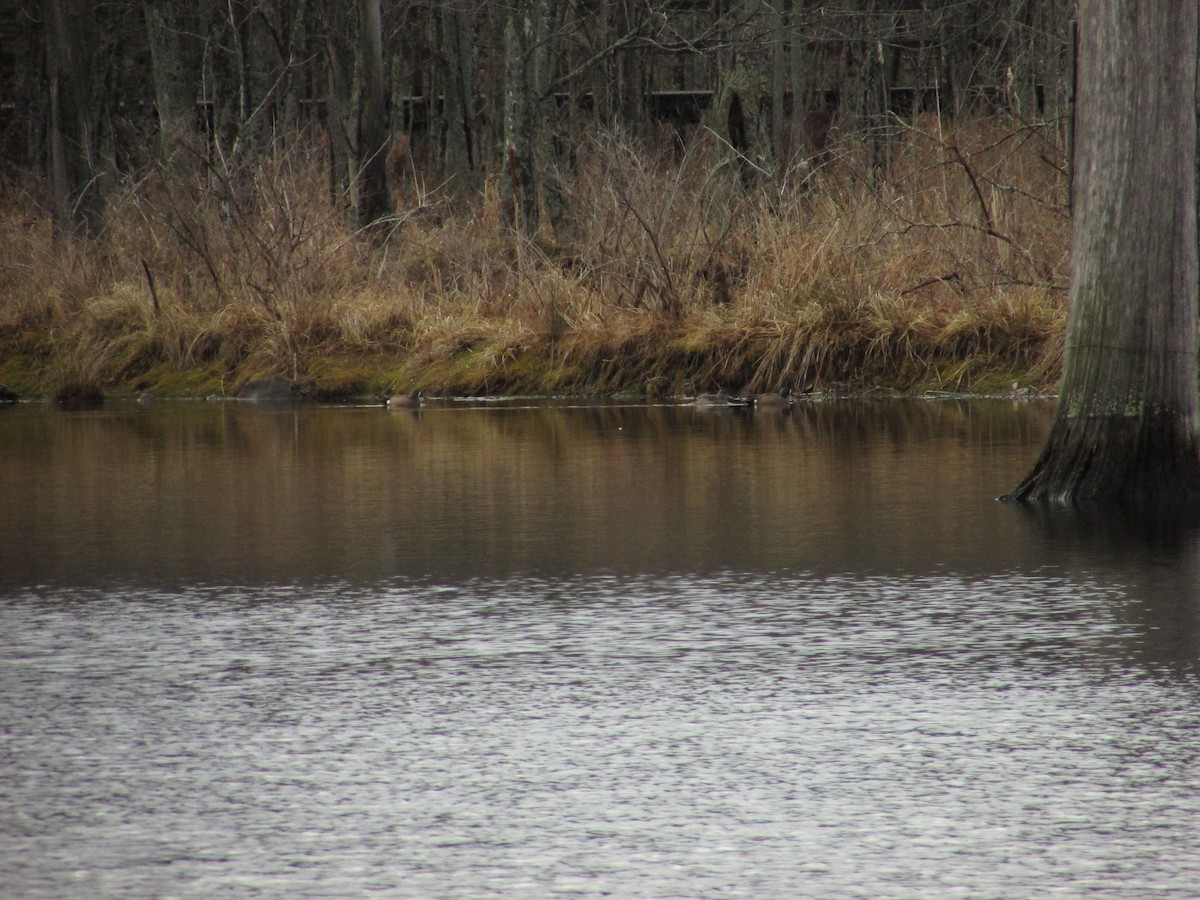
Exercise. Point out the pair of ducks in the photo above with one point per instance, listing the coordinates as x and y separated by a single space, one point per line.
780 400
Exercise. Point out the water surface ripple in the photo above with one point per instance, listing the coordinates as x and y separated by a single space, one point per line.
580 650
733 734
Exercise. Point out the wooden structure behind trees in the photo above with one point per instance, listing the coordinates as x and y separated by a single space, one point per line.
466 81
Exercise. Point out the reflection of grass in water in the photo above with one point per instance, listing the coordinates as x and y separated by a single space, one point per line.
671 279
79 395
338 492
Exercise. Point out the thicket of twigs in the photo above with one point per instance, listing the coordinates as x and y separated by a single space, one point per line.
678 270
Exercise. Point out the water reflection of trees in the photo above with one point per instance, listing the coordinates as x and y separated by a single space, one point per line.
223 493
229 491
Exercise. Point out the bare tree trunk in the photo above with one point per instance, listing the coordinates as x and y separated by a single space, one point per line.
339 121
221 81
603 74
780 148
458 157
547 112
743 82
527 102
631 79
290 31
1126 426
375 197
74 170
173 61
811 116
261 69
875 106
519 133
242 64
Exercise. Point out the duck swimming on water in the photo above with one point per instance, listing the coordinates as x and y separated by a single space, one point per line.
405 401
778 400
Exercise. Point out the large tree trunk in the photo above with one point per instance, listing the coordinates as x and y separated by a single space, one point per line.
375 204
1126 425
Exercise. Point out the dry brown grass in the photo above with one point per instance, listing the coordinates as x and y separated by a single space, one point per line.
947 270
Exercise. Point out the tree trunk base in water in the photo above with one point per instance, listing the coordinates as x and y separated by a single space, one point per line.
1117 460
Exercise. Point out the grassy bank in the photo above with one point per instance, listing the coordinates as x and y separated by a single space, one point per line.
674 274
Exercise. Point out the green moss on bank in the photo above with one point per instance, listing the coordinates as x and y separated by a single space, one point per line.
651 371
659 360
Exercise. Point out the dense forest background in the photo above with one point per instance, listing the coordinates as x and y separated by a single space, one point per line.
276 156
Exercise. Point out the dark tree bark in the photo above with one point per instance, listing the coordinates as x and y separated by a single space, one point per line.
221 81
1126 425
604 72
260 69
520 122
458 153
375 198
289 30
73 138
171 34
780 150
631 76
743 82
256 65
242 68
875 108
339 120
527 103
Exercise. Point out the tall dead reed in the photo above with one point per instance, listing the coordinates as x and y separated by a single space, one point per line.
946 268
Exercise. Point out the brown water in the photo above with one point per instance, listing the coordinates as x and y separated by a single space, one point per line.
537 650
189 493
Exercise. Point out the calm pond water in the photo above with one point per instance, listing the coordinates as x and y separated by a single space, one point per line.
532 650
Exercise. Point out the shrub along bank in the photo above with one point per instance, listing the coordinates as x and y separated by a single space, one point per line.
672 274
